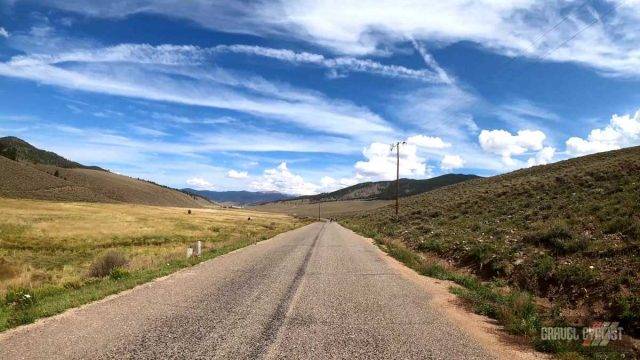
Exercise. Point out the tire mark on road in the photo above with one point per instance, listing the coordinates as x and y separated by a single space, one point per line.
270 333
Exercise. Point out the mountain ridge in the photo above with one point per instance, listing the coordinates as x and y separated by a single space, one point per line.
241 197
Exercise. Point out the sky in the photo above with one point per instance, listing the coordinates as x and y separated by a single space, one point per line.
306 96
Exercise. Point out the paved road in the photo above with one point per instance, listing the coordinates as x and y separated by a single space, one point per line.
316 292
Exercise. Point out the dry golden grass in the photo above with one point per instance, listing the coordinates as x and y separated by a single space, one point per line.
46 243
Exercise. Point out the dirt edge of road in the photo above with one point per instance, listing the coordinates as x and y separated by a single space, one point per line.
481 328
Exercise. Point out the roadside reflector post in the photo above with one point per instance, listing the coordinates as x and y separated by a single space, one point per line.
194 249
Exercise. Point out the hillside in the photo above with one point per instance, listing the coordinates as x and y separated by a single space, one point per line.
239 197
19 150
386 190
33 176
568 233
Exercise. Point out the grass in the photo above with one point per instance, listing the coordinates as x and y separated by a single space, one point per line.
568 234
55 252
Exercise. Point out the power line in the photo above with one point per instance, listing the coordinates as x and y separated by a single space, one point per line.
595 21
565 42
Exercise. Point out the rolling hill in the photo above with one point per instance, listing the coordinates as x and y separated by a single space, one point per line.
567 232
28 172
359 197
239 197
386 190
17 149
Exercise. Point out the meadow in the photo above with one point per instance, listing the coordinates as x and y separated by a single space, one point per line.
49 251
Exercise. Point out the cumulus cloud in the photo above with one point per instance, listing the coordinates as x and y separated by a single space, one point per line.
428 142
450 162
505 144
282 180
200 184
234 174
3 32
621 131
543 156
328 184
381 162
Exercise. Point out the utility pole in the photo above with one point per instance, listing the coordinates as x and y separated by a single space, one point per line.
397 147
318 210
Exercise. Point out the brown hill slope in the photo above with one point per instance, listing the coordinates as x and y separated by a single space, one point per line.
24 179
568 232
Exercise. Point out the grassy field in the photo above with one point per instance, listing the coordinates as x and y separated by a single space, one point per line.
566 234
48 250
327 209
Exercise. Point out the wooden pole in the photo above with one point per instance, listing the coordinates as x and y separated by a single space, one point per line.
397 177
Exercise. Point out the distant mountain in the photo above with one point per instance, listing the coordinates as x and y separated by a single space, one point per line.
32 173
386 190
19 150
240 197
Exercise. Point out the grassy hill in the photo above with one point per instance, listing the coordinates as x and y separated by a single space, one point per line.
386 190
568 232
31 173
19 150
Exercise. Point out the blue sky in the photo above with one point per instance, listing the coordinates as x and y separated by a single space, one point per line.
306 96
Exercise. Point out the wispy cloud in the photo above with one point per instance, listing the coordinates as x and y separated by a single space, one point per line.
184 55
222 90
3 33
344 63
606 36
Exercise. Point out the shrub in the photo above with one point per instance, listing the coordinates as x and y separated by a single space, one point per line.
103 265
20 298
118 273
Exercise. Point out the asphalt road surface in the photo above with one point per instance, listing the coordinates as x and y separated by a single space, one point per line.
316 292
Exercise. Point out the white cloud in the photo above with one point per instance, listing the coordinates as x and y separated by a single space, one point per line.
3 32
381 162
282 180
441 110
606 36
172 55
342 64
142 130
450 162
503 143
543 157
428 142
622 131
328 184
215 88
200 184
234 174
